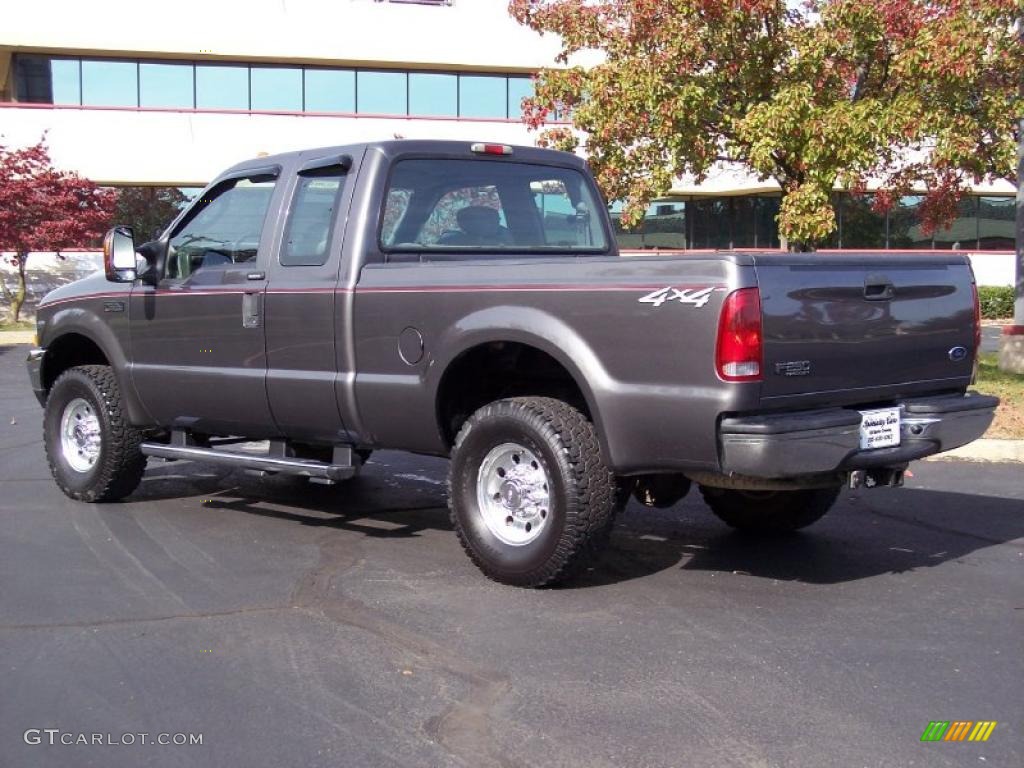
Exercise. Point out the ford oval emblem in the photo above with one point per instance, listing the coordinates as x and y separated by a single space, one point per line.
956 354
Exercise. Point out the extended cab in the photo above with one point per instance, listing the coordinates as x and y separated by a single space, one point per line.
468 300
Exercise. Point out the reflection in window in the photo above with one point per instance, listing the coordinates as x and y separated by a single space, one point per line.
64 74
226 231
519 88
626 238
862 227
309 225
381 93
222 87
110 83
904 230
557 213
665 225
330 90
277 88
165 85
962 233
462 206
432 94
466 216
482 96
996 223
394 211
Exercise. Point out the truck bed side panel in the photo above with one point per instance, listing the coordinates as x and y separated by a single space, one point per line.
645 367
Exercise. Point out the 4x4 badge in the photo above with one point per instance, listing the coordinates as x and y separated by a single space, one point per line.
696 296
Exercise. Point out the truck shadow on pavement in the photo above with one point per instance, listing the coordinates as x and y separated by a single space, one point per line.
370 504
867 535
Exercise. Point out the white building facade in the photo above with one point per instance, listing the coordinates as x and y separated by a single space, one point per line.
131 94
128 96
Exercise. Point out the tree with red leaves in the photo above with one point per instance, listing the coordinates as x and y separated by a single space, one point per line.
44 209
909 94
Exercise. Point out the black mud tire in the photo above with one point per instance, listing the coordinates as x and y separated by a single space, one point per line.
770 511
119 466
584 499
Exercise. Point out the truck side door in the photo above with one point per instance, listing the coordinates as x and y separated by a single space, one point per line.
199 355
300 303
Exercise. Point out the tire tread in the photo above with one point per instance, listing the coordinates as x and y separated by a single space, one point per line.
590 511
122 462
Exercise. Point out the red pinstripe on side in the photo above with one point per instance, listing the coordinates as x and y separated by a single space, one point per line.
527 288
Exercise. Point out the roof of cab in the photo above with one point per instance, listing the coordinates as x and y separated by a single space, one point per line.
395 147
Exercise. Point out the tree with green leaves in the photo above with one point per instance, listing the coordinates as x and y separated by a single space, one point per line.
905 94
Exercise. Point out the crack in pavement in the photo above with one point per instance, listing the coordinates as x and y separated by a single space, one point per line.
145 619
464 728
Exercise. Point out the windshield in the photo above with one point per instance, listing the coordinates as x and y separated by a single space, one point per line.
453 206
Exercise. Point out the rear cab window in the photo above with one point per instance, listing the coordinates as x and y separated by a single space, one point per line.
472 207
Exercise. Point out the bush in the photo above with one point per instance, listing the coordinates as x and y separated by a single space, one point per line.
996 301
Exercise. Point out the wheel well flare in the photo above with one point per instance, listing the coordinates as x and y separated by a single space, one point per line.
498 370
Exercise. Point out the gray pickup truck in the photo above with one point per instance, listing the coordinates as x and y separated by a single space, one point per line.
468 300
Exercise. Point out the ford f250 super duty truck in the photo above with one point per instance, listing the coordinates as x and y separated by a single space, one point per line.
468 300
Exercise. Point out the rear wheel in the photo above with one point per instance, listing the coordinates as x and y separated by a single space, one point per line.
530 496
92 450
770 511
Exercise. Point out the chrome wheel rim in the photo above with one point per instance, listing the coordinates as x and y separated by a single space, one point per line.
513 494
80 435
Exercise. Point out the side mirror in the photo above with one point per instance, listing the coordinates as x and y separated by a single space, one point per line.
119 255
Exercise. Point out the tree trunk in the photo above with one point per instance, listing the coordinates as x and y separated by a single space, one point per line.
19 295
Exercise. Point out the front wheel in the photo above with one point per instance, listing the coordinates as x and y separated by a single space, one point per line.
530 496
92 450
770 511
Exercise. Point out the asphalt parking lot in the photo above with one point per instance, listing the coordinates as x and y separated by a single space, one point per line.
296 625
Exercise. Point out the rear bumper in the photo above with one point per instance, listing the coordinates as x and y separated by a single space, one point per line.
35 373
828 440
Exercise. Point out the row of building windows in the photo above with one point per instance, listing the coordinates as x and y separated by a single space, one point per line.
180 85
749 221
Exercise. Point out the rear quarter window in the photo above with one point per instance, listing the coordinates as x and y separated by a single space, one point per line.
308 232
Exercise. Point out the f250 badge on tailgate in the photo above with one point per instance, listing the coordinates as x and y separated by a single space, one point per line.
696 296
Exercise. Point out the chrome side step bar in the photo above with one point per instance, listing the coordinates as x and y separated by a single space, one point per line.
276 460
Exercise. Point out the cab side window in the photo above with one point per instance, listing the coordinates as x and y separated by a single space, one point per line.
308 234
224 228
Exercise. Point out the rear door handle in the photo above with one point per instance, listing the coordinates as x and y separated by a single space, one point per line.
251 306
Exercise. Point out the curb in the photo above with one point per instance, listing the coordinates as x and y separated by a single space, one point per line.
17 337
985 449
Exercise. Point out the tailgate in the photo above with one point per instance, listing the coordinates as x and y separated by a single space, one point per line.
865 325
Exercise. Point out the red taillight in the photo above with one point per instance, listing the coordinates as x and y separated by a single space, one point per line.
738 353
491 149
977 321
